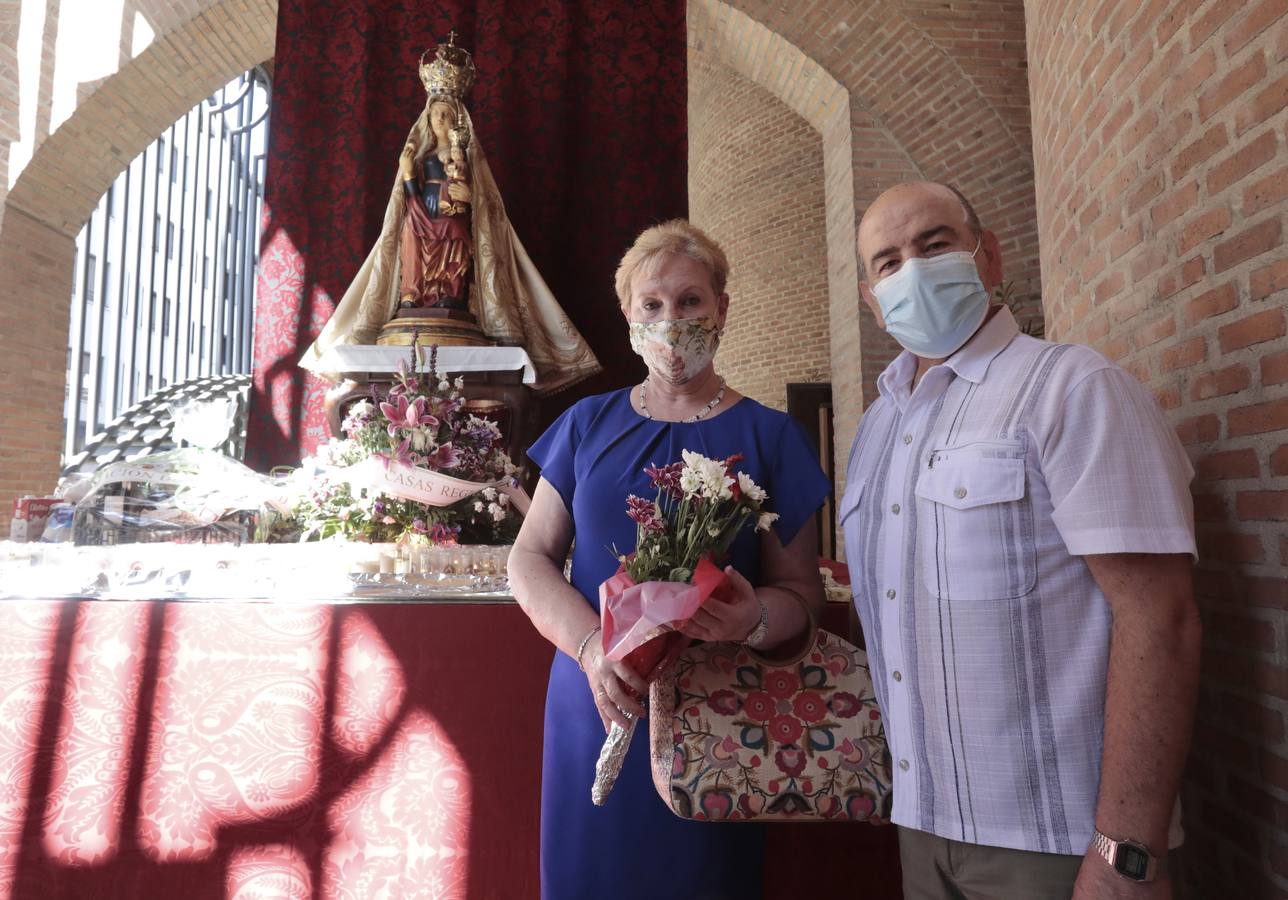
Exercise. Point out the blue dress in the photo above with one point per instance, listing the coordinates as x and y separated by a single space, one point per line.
594 455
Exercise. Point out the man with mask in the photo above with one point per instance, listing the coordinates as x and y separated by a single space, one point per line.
1018 520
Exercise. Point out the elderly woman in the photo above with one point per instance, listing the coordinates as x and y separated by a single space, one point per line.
671 288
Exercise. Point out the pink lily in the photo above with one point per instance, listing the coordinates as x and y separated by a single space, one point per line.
402 414
444 457
401 454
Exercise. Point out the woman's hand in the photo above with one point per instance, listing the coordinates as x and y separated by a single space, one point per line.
730 620
616 688
459 192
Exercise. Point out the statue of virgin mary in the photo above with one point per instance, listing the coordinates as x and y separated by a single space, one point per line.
446 244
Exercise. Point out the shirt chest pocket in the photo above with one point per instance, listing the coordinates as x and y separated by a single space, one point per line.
975 529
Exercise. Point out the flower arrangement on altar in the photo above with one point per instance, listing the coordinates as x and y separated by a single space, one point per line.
414 466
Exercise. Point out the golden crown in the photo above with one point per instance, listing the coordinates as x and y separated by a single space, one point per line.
450 73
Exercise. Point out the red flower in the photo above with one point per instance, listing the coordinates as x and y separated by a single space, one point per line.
785 729
716 804
810 706
666 478
724 702
790 761
759 706
644 512
782 684
844 704
860 806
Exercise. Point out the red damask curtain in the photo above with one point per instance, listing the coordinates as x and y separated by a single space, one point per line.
580 104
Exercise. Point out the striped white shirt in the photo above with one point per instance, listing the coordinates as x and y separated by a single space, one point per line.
968 506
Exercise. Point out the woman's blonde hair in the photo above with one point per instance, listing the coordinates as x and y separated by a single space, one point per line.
678 237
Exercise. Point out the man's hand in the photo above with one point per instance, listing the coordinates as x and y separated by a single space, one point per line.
1097 881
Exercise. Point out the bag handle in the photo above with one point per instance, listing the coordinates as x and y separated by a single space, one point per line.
789 653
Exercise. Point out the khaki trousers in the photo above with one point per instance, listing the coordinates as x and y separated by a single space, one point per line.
936 868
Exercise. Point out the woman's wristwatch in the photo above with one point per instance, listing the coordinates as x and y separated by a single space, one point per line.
1130 859
757 635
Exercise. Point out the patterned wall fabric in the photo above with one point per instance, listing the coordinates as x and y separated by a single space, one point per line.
580 105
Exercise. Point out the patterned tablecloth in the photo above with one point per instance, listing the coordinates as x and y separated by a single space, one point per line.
159 749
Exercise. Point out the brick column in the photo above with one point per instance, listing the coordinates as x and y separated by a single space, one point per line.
1159 148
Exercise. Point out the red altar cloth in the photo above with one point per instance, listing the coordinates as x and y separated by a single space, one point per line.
239 749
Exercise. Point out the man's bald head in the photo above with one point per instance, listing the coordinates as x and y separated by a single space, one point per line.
918 194
922 219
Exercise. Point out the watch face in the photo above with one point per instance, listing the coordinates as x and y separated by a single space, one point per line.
1131 861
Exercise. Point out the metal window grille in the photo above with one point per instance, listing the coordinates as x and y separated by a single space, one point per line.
147 312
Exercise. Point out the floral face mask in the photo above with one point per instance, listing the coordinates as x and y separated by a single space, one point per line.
676 350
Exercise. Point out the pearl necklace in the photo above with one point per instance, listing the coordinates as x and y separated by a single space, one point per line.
696 417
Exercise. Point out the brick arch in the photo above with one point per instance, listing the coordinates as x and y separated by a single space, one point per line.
948 84
110 126
728 38
189 58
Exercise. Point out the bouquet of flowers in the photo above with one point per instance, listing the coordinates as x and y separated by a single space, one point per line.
681 534
414 465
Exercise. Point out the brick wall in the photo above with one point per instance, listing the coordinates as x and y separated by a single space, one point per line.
1159 138
756 186
199 45
946 84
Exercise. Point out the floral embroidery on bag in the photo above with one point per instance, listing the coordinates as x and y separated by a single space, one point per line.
750 740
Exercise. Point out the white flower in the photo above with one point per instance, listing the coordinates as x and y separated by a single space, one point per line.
421 439
489 493
497 511
459 384
690 482
503 500
717 484
362 409
704 477
478 506
750 489
444 386
765 520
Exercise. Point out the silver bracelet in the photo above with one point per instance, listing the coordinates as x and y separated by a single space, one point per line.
581 648
757 635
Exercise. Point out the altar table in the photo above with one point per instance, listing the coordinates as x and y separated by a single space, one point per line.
338 749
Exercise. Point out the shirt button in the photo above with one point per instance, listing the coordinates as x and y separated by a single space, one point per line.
959 493
895 509
903 764
890 594
907 439
897 675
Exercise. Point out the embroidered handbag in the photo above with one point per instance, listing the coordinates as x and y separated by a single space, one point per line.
737 737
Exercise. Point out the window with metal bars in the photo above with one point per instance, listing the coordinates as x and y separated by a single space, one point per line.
144 301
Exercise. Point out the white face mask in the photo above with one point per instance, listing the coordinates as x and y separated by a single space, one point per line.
933 306
676 350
